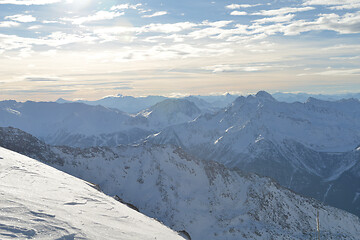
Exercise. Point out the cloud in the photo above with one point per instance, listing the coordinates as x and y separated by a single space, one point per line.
156 14
170 52
340 72
40 91
21 18
98 16
238 6
114 33
56 39
167 27
283 11
345 6
238 13
335 4
35 27
9 24
280 18
231 68
344 24
123 88
125 6
217 24
41 79
29 2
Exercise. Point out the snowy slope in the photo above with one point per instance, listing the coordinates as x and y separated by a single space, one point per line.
201 197
304 146
40 202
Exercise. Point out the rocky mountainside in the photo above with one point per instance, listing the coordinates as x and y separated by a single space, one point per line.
40 202
203 198
304 146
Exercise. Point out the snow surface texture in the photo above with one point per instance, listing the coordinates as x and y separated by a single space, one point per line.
304 146
201 197
40 202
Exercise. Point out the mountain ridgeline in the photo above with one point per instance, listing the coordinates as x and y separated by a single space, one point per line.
82 125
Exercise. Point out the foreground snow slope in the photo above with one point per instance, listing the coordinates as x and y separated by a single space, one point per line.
40 202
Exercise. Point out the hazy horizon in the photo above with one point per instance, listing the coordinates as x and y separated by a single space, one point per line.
335 96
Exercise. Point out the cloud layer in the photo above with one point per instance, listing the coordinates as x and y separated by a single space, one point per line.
227 46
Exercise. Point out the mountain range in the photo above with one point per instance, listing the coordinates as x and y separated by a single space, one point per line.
202 198
311 148
82 125
134 105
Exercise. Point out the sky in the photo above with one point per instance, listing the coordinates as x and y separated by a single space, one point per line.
86 49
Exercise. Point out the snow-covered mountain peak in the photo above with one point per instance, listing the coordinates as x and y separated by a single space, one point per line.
264 96
170 112
61 100
171 106
252 101
312 100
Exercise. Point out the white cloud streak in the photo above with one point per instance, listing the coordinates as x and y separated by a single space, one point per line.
335 4
238 6
280 18
283 11
98 16
231 68
156 14
21 18
238 13
8 24
125 6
